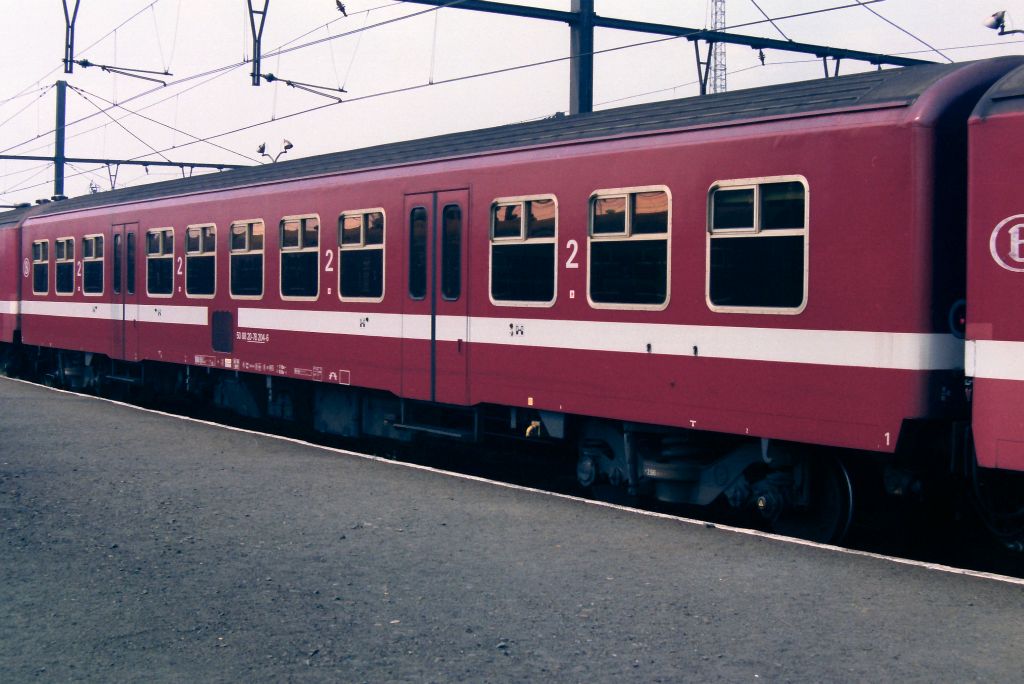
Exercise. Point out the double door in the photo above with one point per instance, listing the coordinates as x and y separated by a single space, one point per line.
435 350
124 256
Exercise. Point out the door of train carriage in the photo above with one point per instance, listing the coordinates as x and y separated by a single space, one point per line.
435 323
124 250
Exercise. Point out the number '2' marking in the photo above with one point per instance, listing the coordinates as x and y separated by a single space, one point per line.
574 248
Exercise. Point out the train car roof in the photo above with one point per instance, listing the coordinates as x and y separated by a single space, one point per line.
1007 95
891 87
13 217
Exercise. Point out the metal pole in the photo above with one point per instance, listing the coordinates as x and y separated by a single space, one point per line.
581 58
257 38
69 36
58 146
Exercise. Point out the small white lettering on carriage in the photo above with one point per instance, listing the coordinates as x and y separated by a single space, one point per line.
251 336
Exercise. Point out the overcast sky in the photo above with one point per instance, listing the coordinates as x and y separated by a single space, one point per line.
193 37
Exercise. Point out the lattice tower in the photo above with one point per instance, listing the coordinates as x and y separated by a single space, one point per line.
716 82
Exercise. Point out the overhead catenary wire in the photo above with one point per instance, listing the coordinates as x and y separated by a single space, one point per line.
118 122
952 48
222 70
236 65
159 43
106 124
28 93
84 50
453 79
26 107
452 3
46 167
167 126
770 20
333 104
355 51
900 28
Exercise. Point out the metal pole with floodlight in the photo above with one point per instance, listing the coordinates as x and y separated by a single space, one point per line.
997 22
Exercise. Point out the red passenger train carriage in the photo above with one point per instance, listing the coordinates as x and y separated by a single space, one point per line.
703 293
10 274
995 249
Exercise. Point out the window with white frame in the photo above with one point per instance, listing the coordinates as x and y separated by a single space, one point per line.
361 255
92 264
246 263
628 262
201 260
300 257
757 245
64 258
41 267
160 262
523 242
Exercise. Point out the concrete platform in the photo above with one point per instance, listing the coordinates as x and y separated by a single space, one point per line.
136 546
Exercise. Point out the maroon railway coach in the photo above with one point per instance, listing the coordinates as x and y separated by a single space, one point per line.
10 277
718 298
995 250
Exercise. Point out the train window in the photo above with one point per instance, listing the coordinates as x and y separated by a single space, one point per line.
523 251
451 252
64 256
130 263
246 263
300 257
92 264
41 266
628 262
609 215
160 262
757 246
361 256
418 253
201 260
117 263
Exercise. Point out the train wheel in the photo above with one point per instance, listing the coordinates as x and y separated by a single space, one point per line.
829 510
998 498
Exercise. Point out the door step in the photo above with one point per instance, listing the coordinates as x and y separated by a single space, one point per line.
450 433
128 379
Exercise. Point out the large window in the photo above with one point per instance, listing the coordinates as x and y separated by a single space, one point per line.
629 264
361 257
247 259
41 266
64 256
160 262
300 257
523 240
757 245
92 264
201 260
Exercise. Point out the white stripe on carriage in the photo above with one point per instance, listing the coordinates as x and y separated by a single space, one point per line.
995 359
851 348
147 313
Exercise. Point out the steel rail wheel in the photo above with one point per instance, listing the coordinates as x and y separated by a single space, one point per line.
826 516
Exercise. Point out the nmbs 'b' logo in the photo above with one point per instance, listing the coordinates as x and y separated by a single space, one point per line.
1007 243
